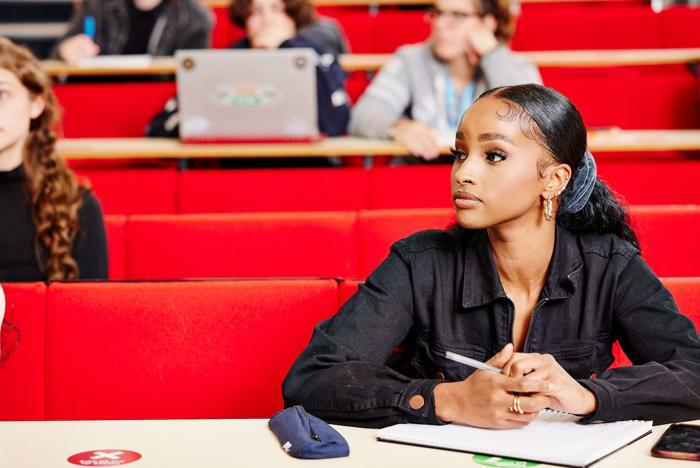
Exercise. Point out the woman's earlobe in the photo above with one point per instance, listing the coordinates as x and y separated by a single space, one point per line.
37 107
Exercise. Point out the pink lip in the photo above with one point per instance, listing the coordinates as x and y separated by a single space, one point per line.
465 200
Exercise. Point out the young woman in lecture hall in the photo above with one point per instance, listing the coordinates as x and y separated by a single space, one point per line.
540 275
52 226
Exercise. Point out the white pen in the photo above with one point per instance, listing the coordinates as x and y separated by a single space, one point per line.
471 362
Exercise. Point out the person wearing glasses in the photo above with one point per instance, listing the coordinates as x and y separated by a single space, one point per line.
420 93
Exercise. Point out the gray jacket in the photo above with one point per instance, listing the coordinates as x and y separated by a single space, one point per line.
183 24
412 83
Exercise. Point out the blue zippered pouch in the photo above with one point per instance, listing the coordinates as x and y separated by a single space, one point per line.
303 435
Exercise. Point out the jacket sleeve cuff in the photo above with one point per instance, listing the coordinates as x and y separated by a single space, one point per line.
608 404
417 402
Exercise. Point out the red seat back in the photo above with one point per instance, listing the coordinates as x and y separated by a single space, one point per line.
23 368
134 191
177 350
115 226
315 244
587 25
379 229
665 234
633 178
94 110
313 189
409 187
630 97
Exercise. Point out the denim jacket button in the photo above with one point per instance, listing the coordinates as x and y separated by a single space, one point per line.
416 402
440 375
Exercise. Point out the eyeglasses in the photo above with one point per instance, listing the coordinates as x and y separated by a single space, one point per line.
452 16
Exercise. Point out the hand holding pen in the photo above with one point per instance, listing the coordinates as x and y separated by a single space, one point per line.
81 46
484 398
509 390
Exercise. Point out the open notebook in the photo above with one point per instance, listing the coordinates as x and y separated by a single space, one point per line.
552 437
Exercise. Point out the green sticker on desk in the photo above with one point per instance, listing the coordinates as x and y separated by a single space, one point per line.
488 460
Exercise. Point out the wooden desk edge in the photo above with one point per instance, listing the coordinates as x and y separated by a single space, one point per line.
145 148
369 62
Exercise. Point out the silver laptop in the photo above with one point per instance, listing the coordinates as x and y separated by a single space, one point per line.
247 95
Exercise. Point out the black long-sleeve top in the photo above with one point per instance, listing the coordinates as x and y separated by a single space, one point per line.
439 291
18 261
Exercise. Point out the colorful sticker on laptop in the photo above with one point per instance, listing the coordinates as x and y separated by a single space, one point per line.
246 95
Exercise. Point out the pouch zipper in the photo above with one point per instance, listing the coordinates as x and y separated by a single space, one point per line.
307 424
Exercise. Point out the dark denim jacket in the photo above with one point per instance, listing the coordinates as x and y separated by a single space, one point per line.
439 291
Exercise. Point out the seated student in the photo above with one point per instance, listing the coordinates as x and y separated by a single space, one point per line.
540 276
325 33
124 27
273 24
419 95
52 227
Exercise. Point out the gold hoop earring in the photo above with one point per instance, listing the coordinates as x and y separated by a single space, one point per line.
548 209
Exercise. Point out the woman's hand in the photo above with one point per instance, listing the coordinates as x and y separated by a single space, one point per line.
483 398
482 40
76 48
419 139
565 393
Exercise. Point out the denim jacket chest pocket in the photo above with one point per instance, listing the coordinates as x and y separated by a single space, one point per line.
580 360
430 361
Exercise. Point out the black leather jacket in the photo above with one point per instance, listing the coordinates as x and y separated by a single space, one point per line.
182 24
439 291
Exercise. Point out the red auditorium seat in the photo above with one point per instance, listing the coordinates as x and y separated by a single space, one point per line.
686 292
225 32
666 235
641 180
356 84
115 225
176 350
215 191
312 244
587 25
93 110
396 27
679 27
134 191
23 369
422 186
379 229
358 24
630 97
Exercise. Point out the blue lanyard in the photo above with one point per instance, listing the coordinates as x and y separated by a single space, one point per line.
452 112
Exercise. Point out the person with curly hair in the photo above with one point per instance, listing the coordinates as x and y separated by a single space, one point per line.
419 95
52 227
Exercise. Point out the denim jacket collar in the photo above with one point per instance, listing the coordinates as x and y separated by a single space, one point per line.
482 285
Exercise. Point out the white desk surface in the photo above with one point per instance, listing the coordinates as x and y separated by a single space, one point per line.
239 443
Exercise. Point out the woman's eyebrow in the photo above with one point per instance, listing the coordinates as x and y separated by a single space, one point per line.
495 136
